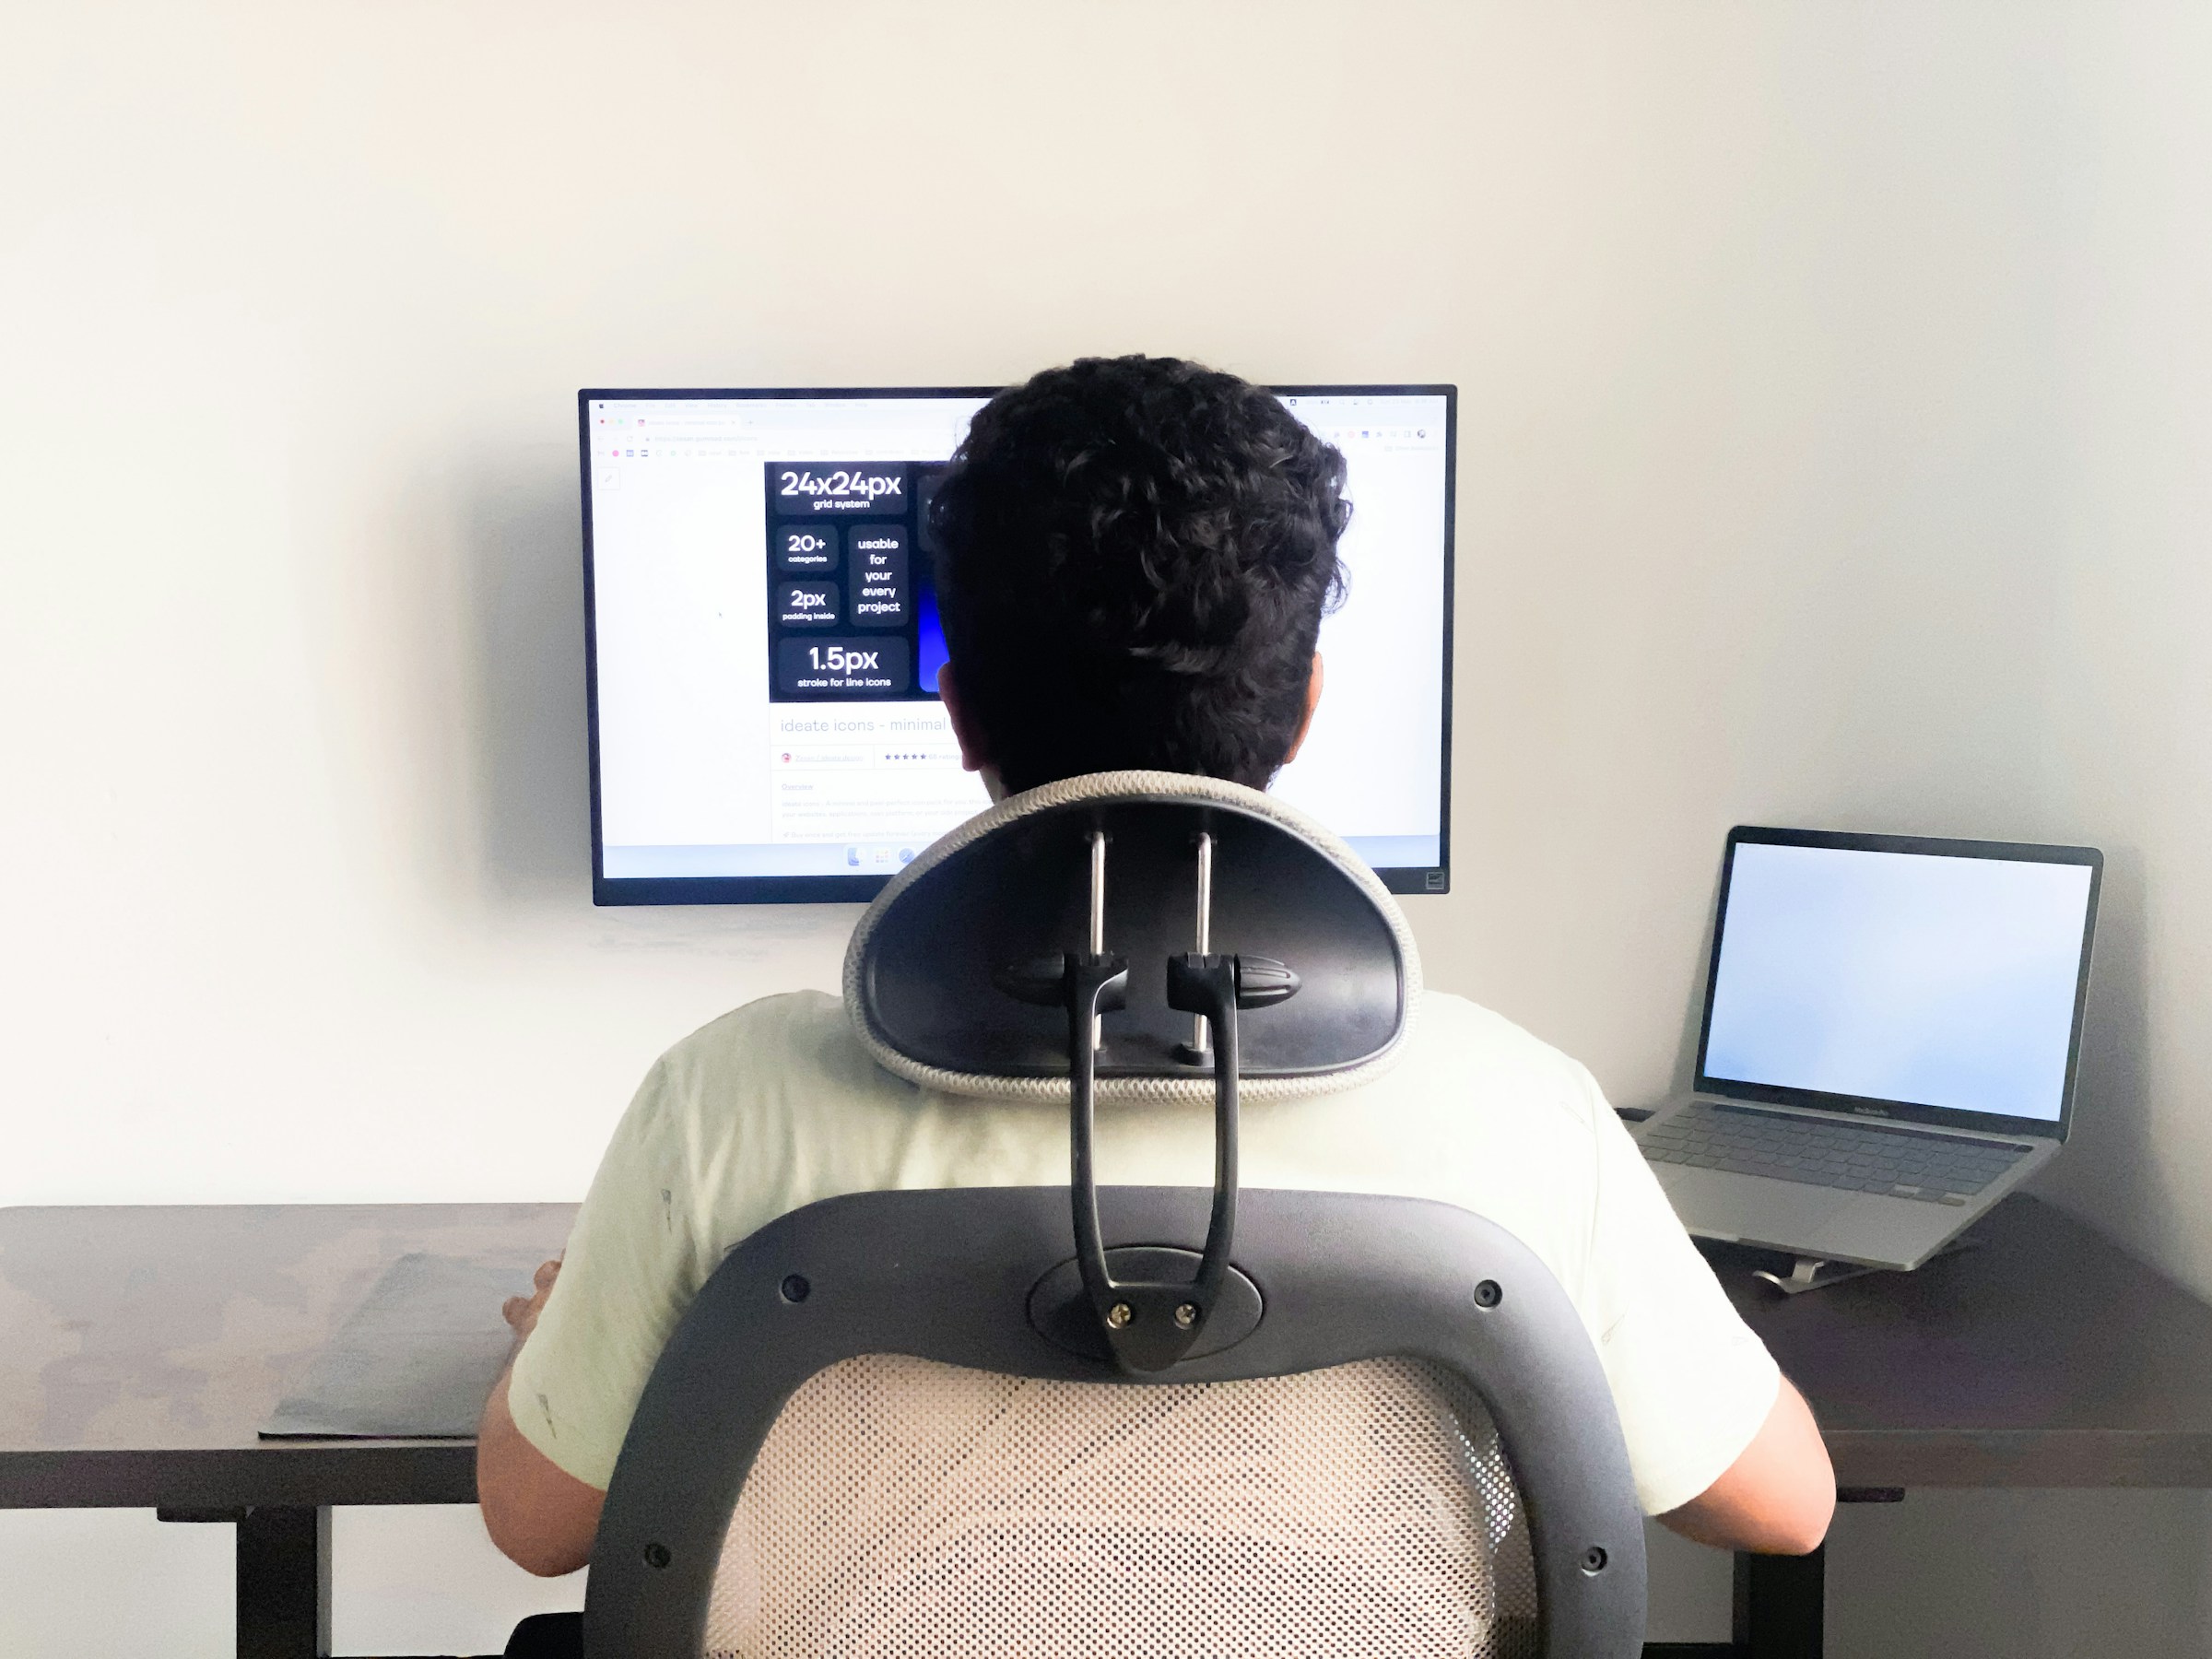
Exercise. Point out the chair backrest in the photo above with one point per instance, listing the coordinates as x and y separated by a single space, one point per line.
1086 1421
1413 1448
905 1507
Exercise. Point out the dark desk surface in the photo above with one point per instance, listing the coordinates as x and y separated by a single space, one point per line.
141 1348
2047 1357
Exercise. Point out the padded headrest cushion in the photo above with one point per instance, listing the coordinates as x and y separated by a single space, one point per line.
1013 885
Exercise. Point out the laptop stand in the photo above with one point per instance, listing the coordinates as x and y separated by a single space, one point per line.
1808 1273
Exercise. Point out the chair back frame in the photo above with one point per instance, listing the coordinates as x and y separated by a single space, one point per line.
948 1276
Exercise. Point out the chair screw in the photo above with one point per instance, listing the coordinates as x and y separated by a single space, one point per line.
1120 1314
1593 1560
1488 1294
656 1556
1187 1315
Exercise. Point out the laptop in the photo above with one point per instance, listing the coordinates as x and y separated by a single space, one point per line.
1891 1029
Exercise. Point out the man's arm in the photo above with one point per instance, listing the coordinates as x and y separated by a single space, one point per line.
1776 1498
543 1518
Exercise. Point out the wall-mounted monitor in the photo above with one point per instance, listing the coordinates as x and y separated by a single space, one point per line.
762 640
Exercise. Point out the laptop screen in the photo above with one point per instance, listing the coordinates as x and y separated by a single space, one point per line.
1875 973
764 639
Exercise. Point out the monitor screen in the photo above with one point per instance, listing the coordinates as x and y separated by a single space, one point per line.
764 642
1941 981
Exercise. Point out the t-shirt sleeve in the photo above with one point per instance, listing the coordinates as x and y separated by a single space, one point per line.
632 1268
1691 1380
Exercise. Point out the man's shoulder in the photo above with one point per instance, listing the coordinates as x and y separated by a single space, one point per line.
1478 1113
788 1018
797 1049
1461 1044
794 1044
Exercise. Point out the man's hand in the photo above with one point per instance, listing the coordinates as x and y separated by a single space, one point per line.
521 1312
542 1518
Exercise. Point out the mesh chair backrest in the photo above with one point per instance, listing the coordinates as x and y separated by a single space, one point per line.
1314 1487
906 1509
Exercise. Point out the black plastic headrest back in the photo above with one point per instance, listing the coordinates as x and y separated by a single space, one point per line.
924 974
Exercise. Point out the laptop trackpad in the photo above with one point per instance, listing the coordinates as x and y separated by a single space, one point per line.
1750 1208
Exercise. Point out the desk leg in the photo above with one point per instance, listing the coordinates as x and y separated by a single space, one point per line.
283 1583
1779 1605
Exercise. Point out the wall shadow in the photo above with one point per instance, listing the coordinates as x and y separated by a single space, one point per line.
2108 1174
521 586
1693 1012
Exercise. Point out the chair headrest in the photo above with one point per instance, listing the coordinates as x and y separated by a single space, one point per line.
1013 886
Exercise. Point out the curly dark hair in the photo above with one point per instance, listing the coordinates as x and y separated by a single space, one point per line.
1134 557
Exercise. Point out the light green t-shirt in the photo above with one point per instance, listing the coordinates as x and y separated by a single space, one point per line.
776 1105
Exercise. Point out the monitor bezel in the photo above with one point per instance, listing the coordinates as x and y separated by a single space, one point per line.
1912 1111
858 889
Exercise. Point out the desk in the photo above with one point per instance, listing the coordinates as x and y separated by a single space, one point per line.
2044 1357
144 1346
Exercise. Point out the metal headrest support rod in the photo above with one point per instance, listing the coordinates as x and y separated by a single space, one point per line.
1150 1324
1014 905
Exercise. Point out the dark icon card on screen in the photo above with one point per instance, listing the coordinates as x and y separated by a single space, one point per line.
838 489
807 548
878 576
881 666
807 605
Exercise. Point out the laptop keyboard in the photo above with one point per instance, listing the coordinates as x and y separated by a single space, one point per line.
1936 1168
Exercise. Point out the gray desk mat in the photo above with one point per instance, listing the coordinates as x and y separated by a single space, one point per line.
414 1361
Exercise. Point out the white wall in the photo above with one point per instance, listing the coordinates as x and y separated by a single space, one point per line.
1834 452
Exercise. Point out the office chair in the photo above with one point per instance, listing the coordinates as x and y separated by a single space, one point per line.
1105 1421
